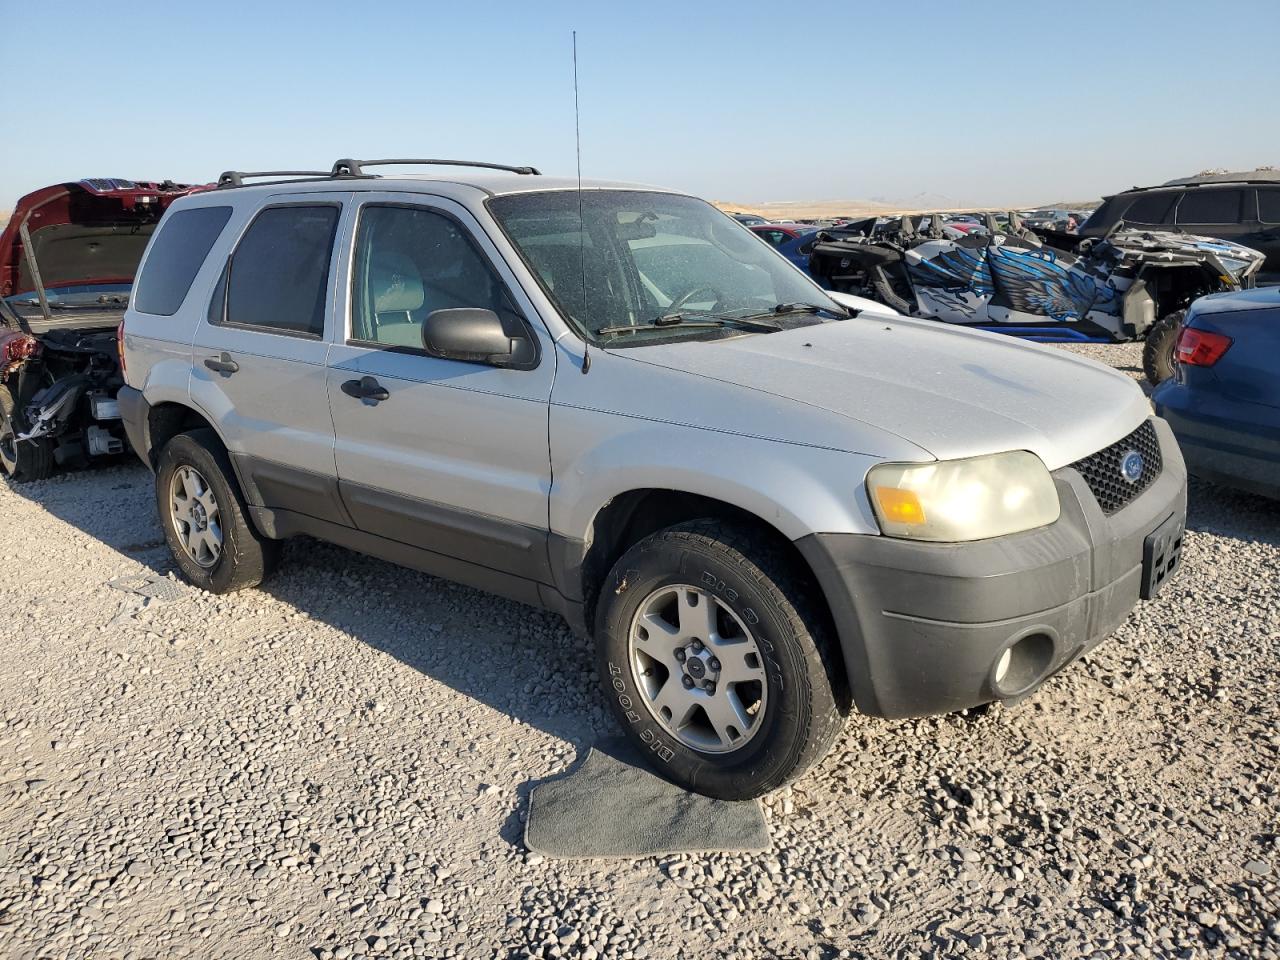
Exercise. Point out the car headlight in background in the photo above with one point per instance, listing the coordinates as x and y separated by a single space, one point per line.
956 500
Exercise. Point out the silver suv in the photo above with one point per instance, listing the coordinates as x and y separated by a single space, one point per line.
767 503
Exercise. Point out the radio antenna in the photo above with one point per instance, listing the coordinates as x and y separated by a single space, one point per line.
582 226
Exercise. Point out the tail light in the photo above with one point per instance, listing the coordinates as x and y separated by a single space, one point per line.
1201 348
120 345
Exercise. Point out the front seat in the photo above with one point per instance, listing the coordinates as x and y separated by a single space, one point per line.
395 287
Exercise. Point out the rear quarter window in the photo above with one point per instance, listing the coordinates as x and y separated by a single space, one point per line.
178 250
1152 208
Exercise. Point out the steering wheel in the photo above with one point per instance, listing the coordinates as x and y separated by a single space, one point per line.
678 303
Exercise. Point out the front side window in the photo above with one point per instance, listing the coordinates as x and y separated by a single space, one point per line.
280 270
411 262
177 252
655 265
1210 206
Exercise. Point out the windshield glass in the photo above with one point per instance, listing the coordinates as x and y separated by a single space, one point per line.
637 257
85 296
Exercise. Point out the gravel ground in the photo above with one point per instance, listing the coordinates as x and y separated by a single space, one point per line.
338 764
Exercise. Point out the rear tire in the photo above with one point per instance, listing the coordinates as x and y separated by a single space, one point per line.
766 698
23 460
205 518
1158 351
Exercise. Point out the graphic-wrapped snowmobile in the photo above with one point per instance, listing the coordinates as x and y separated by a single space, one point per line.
1128 285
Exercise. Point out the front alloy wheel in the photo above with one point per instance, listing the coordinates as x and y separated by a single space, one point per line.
715 660
698 668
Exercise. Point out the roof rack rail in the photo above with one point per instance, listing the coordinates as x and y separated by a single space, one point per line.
236 178
355 168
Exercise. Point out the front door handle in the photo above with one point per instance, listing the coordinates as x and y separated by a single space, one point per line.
366 388
223 364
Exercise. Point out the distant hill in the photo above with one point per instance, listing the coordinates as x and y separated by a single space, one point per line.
921 203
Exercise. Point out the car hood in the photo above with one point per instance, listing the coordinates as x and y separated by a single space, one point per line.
955 393
93 231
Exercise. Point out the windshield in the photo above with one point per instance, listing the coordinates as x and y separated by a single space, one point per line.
83 296
646 257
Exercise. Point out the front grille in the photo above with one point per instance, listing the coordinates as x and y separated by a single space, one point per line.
1104 470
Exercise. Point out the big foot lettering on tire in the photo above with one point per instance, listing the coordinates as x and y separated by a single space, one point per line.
628 708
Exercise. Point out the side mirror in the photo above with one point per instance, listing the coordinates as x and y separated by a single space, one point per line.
474 335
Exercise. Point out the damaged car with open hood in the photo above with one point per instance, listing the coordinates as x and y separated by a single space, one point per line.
67 261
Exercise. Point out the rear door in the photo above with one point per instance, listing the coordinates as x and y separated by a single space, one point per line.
1212 212
455 458
258 368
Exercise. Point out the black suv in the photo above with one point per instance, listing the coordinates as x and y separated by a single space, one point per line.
1241 207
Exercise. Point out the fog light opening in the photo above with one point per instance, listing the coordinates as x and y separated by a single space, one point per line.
1002 666
1023 664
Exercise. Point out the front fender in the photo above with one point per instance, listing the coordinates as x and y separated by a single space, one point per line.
797 489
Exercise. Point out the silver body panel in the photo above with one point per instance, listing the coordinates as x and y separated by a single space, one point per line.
782 425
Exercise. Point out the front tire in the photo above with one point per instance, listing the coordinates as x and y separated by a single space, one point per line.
23 460
205 518
1158 351
714 661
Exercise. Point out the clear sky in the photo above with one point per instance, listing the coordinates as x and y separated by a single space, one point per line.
983 103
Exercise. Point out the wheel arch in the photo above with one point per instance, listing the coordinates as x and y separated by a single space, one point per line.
169 418
629 517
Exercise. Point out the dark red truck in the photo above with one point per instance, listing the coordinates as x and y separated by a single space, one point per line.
68 256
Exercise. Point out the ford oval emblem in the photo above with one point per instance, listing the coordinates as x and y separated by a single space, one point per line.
1131 466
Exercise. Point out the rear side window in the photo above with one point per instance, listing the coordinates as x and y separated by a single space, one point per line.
1269 204
1210 206
280 270
1152 208
177 251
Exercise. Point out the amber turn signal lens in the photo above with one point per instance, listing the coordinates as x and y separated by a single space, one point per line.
901 506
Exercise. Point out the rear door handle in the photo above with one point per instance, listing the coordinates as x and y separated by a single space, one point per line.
223 364
366 388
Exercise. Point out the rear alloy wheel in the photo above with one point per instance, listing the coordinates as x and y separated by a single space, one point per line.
22 460
205 519
1162 343
715 663
195 516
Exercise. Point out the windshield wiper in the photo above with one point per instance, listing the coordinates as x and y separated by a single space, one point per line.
693 320
806 308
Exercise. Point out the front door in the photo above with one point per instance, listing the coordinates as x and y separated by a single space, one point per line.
259 357
447 456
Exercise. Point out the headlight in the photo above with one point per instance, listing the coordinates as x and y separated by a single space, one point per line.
955 500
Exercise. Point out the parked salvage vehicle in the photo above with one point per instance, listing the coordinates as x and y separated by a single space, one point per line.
67 260
1127 285
1240 207
764 502
1223 401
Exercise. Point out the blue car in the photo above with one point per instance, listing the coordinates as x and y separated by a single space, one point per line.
793 240
1223 401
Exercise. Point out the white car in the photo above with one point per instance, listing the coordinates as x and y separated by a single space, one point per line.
766 504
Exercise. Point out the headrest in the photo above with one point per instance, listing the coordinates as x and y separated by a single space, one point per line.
395 282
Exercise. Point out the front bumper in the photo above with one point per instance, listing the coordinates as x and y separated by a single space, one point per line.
923 626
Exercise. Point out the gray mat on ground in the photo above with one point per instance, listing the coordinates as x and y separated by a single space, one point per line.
612 805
